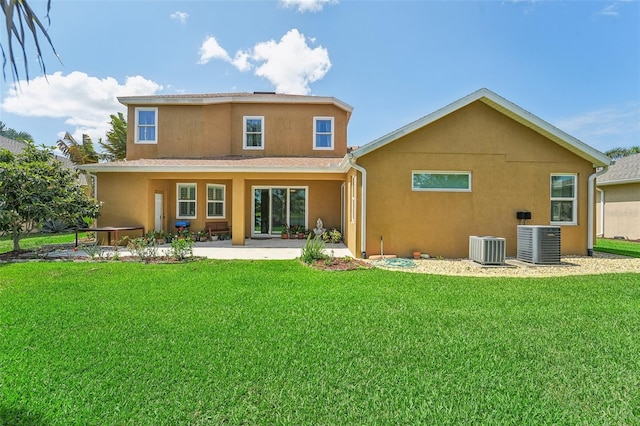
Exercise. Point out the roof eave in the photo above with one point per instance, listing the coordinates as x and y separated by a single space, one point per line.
159 100
618 182
96 168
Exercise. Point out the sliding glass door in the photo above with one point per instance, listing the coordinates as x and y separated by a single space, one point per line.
275 207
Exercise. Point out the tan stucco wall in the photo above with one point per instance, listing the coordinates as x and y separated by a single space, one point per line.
128 198
204 131
510 166
621 211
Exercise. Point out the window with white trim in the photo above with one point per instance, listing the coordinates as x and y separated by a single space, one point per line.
215 201
322 133
187 203
146 125
564 198
352 190
443 181
253 132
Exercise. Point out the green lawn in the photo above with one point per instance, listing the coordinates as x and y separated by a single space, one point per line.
625 248
35 241
275 342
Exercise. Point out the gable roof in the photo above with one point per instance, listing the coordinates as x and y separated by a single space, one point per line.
242 97
624 170
505 107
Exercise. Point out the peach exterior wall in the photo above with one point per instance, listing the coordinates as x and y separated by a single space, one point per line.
511 167
621 211
205 131
129 197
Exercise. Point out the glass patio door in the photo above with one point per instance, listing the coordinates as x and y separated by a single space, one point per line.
275 207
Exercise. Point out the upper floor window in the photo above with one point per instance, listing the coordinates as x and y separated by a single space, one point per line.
441 181
146 125
187 200
215 201
564 199
322 132
253 133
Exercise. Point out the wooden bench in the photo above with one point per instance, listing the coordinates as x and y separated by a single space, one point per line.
217 228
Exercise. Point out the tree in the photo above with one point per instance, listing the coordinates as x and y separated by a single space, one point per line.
78 153
116 145
34 187
18 15
10 133
616 153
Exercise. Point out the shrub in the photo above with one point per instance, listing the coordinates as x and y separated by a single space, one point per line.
313 250
181 248
144 248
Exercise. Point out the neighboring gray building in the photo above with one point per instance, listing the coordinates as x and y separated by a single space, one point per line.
618 212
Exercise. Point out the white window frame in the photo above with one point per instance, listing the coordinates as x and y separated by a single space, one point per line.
138 125
223 201
441 172
353 204
315 134
244 131
195 200
574 200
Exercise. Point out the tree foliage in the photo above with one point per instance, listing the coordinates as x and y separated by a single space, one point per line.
13 134
78 153
619 152
116 145
22 23
35 187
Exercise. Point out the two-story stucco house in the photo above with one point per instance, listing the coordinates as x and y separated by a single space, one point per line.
262 160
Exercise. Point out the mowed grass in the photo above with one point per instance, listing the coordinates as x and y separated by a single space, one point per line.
35 241
622 247
275 342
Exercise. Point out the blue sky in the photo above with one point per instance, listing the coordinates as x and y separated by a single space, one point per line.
575 64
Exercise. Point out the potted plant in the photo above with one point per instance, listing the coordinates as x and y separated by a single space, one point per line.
284 234
335 236
301 232
203 235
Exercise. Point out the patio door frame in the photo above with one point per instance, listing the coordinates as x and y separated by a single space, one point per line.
270 188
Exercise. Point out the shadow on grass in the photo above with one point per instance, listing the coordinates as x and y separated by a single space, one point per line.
622 252
11 416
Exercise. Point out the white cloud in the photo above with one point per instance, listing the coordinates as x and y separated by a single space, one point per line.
180 16
606 128
210 49
84 102
291 64
307 5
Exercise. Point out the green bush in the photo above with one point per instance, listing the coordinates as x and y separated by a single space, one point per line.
313 250
181 248
144 248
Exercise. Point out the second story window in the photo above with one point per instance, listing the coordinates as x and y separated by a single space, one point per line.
253 133
323 133
146 125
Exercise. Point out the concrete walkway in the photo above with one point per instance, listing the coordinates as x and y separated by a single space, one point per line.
254 249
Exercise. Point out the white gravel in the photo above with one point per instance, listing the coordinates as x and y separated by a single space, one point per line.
600 263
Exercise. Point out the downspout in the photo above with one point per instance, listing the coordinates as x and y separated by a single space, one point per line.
363 220
590 220
601 233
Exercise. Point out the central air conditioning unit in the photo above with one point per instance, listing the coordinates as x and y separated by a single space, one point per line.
539 244
487 250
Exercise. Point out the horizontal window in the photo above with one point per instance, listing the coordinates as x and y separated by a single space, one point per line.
441 181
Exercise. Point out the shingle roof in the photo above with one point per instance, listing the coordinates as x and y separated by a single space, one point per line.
223 164
15 147
625 170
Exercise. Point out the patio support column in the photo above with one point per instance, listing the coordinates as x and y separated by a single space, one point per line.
238 212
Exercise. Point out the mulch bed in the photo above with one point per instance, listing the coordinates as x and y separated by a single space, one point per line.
340 264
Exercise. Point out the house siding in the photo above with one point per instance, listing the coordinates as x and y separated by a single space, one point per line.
621 211
510 166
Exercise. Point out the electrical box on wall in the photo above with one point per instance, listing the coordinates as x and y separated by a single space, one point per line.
523 215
